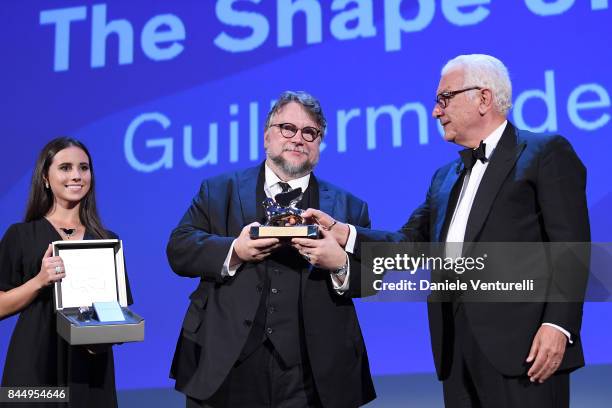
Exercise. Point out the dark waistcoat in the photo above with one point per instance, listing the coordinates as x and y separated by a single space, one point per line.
279 314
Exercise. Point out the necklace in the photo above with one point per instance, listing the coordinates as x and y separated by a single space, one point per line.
69 232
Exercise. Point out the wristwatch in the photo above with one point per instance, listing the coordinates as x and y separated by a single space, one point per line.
341 272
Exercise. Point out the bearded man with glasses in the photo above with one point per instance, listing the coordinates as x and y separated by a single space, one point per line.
271 324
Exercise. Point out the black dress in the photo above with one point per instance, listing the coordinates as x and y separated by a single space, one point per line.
37 356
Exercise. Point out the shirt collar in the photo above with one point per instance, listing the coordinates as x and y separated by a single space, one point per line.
492 140
272 179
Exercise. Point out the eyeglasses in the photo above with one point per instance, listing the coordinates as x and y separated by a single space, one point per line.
443 97
288 130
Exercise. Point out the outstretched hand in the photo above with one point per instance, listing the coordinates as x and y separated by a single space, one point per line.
338 230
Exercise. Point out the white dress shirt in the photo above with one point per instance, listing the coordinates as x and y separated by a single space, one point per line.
272 188
471 181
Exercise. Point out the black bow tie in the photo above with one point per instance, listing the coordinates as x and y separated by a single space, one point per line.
470 156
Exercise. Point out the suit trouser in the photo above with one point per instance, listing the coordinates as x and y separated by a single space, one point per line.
475 383
262 380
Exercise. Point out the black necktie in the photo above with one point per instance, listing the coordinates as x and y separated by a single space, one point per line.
285 186
470 156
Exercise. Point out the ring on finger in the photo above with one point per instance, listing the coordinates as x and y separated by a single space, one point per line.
58 269
306 257
328 228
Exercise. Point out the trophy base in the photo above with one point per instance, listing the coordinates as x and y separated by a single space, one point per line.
296 231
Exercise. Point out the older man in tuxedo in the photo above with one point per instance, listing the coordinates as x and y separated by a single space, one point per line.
268 325
509 185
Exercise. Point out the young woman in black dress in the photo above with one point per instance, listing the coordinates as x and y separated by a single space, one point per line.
61 206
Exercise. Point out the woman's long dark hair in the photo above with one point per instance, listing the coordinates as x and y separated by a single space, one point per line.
41 198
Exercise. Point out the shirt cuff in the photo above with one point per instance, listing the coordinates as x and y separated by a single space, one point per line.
350 242
562 330
228 270
341 288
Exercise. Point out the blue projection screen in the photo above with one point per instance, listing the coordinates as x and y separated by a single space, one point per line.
166 94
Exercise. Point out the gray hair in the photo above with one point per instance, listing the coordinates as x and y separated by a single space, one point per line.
308 102
487 72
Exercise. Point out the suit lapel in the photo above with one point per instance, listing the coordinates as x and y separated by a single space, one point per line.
327 199
247 192
443 197
503 160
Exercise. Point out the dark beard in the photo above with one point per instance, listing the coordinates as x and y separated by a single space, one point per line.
292 170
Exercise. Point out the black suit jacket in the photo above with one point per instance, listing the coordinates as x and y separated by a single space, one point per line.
216 324
533 190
